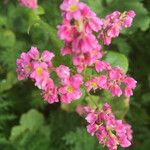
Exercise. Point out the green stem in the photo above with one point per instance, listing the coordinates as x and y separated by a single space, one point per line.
92 100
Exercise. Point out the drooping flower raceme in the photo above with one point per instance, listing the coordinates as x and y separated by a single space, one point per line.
113 24
112 79
32 4
109 131
39 69
79 29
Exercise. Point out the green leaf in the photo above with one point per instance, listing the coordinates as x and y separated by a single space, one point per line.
117 59
81 140
7 38
3 21
16 132
40 11
123 45
7 83
32 120
92 100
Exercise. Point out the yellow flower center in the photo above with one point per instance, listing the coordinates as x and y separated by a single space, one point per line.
70 89
94 84
39 71
73 8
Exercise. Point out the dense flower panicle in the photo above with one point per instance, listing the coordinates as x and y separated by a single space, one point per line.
112 79
78 30
31 65
38 68
109 131
113 24
79 23
32 4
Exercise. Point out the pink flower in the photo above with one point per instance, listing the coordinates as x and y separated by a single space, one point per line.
130 82
91 118
50 93
102 65
109 131
102 81
94 23
24 66
106 39
47 56
43 82
87 43
67 49
124 133
40 71
34 53
128 92
91 128
114 31
80 110
116 74
66 31
91 84
29 3
71 89
63 72
113 24
129 18
115 90
71 7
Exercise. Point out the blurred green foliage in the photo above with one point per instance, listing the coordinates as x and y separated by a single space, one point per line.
28 123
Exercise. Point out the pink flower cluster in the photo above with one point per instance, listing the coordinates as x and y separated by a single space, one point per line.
109 131
78 27
32 4
39 68
112 79
113 24
76 30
